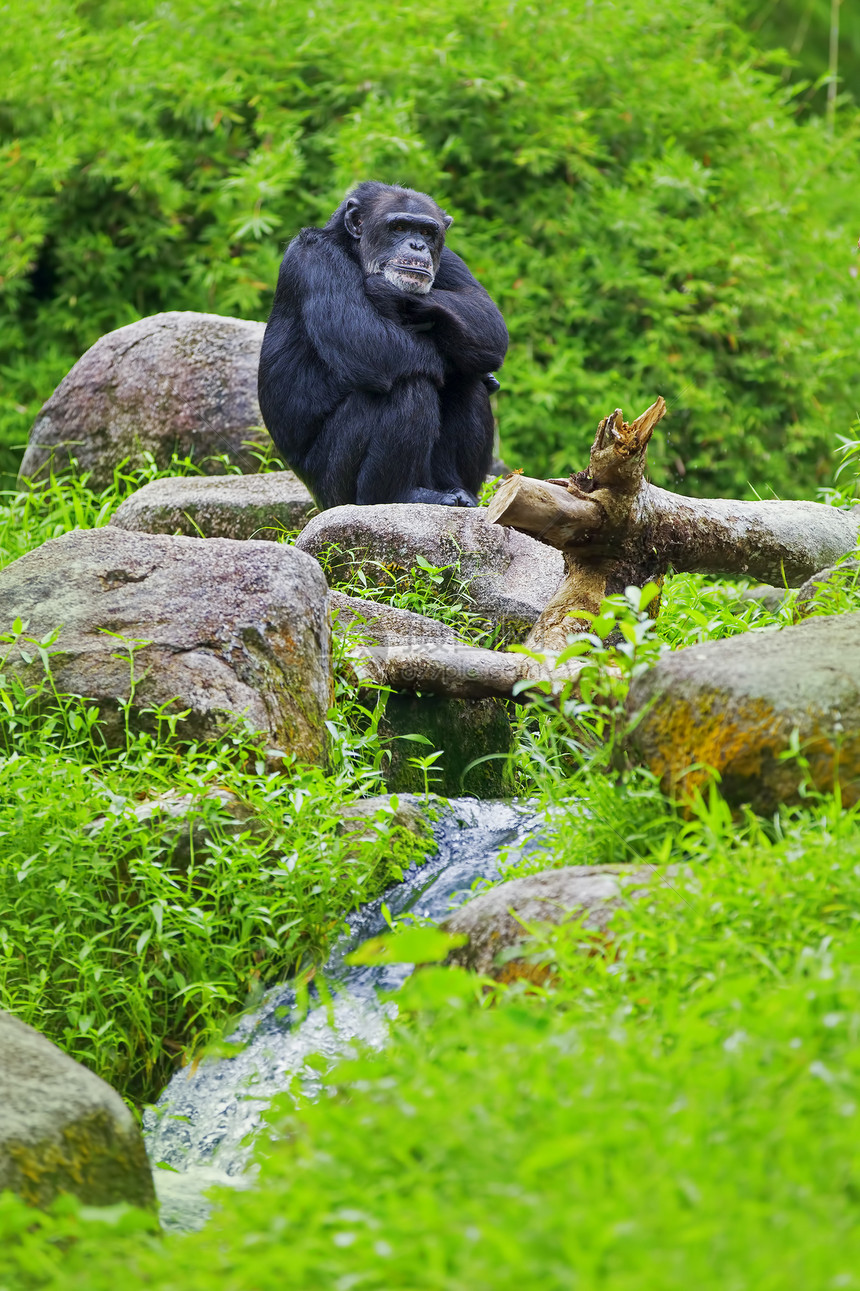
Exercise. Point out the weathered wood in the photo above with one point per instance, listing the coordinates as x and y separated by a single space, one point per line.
617 530
460 672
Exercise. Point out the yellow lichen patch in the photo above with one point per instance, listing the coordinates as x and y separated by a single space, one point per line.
747 743
520 970
93 1158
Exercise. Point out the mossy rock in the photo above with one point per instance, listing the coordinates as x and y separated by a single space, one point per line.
463 730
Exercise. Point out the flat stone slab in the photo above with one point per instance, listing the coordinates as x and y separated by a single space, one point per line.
260 507
496 922
63 1129
511 577
376 623
233 633
178 382
735 705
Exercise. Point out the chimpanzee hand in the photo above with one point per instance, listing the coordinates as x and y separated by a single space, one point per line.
385 298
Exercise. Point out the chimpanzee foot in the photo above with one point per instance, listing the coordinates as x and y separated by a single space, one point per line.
458 498
449 498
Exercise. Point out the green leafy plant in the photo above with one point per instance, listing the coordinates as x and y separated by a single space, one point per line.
676 229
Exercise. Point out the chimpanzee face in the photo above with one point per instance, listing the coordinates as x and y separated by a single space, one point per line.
400 236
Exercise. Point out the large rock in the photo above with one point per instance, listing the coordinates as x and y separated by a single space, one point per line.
496 922
219 506
230 631
63 1129
511 576
735 705
182 383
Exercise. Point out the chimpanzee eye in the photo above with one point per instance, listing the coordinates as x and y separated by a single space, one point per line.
399 226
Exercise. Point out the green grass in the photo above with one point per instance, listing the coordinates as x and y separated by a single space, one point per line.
680 1111
131 961
674 1107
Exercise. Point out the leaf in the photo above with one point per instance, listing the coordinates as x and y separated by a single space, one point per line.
410 945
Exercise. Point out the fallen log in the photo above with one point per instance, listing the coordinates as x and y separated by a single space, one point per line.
616 530
459 672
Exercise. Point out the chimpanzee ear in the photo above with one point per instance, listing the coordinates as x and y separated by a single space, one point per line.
352 217
447 220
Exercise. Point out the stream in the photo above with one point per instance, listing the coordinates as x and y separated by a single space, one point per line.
201 1132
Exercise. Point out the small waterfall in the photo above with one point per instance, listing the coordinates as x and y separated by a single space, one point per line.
203 1126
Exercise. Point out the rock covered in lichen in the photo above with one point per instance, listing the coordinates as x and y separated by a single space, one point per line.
262 507
509 576
746 706
62 1129
498 924
179 382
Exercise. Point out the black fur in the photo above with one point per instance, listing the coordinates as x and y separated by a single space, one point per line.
375 389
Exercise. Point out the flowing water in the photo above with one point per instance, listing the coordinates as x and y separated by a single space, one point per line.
202 1129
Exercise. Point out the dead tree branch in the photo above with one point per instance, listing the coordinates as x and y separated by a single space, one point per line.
616 530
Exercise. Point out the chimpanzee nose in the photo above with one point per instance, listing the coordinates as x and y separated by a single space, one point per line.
417 245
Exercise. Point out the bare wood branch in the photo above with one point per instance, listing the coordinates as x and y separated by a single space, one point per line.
460 672
546 511
635 533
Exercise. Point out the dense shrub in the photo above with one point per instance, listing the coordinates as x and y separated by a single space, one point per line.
627 180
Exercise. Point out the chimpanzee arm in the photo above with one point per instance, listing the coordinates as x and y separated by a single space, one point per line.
467 327
363 349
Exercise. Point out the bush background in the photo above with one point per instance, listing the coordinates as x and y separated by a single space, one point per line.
655 201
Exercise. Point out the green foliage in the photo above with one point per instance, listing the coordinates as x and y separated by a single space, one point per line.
677 1112
123 954
800 31
629 181
131 943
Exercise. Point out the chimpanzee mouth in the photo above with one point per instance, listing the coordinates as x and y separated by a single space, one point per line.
403 266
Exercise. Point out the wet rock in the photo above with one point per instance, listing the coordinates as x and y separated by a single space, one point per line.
63 1130
379 624
735 705
510 576
182 383
230 632
822 590
496 921
263 507
463 730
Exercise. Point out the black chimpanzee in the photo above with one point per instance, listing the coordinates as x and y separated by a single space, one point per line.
379 355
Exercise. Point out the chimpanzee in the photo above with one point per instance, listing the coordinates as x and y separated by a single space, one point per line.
379 355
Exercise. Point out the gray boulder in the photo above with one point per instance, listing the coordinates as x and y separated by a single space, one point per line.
496 921
357 818
63 1130
232 632
219 506
182 383
768 597
511 577
189 822
382 625
736 704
